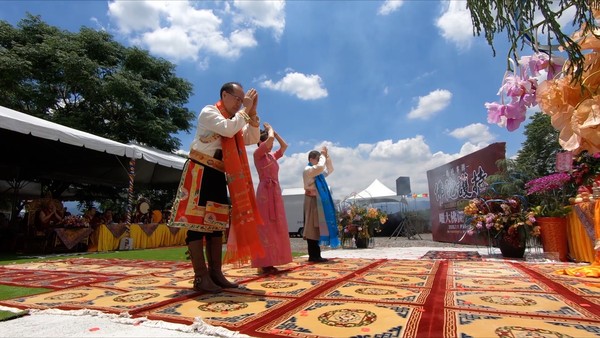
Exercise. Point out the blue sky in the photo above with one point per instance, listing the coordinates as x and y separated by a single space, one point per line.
393 88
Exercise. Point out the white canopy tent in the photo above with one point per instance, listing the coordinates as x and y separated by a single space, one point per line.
34 149
374 190
378 193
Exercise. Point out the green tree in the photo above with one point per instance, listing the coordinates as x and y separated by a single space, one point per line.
537 156
523 20
507 181
87 81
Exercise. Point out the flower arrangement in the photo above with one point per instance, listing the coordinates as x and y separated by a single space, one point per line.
360 221
496 218
586 169
519 89
571 101
550 194
75 222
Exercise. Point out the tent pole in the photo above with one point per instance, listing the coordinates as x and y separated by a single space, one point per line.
130 190
16 185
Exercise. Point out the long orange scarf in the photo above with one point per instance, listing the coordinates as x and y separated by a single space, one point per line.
243 243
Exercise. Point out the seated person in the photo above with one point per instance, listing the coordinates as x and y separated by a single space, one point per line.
48 216
92 217
108 217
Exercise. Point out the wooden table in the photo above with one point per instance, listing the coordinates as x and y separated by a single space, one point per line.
71 237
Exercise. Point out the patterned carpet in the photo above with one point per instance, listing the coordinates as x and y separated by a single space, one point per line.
453 255
340 298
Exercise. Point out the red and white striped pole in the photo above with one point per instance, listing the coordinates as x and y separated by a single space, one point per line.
130 190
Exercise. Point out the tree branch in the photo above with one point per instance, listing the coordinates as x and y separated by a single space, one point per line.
518 19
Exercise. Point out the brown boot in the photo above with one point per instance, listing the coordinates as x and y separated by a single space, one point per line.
214 250
202 280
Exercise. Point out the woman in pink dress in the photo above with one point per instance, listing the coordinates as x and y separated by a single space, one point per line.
274 232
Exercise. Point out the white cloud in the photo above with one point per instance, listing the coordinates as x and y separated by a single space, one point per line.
430 104
356 168
264 14
305 87
177 30
455 24
135 15
408 149
475 133
565 21
469 148
389 6
170 42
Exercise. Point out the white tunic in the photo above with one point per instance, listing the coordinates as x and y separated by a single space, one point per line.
212 123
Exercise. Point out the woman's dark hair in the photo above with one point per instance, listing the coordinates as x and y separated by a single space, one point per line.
264 135
314 154
229 87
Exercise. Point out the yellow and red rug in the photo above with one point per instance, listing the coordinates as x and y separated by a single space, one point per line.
340 298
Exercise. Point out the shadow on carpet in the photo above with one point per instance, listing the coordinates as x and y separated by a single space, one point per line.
340 298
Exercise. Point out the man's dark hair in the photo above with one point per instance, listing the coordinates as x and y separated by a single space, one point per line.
229 87
314 154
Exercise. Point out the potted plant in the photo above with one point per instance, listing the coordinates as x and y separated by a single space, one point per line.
360 223
503 221
550 195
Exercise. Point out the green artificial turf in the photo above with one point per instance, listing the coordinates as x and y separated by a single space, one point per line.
158 254
10 291
8 315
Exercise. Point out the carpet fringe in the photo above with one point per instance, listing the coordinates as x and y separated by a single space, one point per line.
204 328
198 326
11 309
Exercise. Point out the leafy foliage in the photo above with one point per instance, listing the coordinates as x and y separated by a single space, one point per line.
507 181
586 168
521 21
537 156
87 81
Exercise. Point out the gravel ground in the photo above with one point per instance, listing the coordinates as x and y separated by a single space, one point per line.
299 245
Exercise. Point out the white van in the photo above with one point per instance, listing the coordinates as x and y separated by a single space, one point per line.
293 200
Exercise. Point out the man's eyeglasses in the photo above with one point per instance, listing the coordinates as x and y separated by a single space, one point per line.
239 99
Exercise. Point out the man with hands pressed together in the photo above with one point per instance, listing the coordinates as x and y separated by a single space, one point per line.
218 162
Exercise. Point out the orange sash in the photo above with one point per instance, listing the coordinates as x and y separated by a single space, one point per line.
243 242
